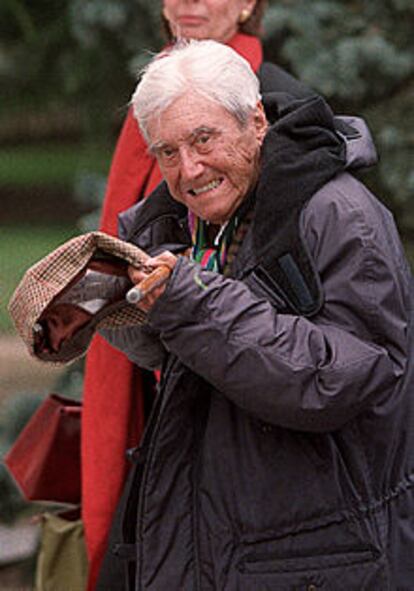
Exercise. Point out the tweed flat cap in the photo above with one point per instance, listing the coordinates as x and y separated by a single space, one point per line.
52 278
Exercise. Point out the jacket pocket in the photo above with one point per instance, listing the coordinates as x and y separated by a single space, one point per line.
361 570
264 564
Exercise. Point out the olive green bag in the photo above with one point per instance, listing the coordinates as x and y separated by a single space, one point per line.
62 561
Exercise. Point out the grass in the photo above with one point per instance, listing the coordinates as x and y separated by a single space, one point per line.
51 163
30 165
20 247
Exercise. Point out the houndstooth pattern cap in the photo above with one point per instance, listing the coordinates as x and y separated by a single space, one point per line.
46 279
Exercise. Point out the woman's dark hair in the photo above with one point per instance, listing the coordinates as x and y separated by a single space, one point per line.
253 25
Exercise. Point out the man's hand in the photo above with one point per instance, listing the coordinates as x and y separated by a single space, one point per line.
165 259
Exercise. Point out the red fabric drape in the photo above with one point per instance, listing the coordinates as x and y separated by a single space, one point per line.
112 418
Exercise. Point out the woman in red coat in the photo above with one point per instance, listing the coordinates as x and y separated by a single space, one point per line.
113 415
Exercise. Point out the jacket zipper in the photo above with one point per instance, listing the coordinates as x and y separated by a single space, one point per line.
199 427
149 443
197 568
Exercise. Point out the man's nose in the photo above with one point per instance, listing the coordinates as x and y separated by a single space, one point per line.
191 165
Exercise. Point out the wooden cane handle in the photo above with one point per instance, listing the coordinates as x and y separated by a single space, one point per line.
155 279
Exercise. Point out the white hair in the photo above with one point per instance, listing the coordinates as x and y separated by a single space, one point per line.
211 69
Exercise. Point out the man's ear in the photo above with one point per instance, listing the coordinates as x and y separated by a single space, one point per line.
260 122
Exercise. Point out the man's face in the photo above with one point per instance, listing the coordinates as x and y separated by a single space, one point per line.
208 160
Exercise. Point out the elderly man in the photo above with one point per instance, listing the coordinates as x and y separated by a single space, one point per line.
280 450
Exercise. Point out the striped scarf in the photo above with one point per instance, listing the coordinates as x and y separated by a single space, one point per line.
211 256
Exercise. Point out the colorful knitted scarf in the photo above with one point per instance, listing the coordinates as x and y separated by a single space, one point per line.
211 256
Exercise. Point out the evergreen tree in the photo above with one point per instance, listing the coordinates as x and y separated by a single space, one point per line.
359 54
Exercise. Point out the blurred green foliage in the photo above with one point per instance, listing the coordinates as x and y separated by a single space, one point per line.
360 55
73 53
51 163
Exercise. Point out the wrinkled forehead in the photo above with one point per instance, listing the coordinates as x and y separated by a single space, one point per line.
186 115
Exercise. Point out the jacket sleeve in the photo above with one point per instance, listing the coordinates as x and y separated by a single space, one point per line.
308 374
139 343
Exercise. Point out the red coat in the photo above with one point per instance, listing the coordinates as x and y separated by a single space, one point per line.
113 417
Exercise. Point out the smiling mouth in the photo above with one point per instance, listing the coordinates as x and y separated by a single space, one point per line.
209 187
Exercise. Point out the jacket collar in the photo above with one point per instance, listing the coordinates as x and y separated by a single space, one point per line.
300 154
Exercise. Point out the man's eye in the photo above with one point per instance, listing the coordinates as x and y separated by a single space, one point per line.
203 139
167 152
204 143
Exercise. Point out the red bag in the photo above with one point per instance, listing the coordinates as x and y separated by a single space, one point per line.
45 458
